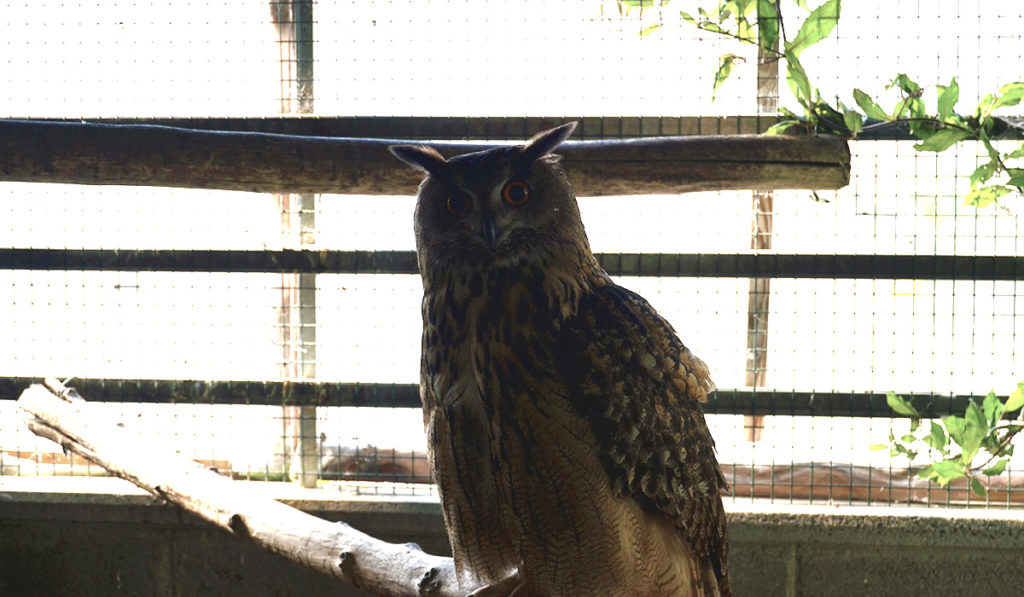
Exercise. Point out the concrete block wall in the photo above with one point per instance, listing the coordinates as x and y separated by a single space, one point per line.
82 544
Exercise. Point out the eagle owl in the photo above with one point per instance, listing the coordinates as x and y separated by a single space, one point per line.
562 412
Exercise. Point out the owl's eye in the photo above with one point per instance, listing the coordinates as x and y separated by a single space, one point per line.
458 204
516 193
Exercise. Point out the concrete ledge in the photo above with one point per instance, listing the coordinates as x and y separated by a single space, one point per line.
104 537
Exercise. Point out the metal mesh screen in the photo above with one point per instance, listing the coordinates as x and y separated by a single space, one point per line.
194 358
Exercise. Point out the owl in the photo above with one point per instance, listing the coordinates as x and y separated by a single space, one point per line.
562 412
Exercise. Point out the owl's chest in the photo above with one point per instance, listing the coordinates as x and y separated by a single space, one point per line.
491 336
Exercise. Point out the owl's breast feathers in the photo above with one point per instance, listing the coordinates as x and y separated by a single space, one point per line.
538 346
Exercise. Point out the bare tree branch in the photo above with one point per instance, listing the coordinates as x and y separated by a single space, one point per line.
334 549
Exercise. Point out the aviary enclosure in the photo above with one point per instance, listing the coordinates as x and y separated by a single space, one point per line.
204 235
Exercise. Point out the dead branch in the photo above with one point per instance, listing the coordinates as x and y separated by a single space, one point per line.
149 155
334 549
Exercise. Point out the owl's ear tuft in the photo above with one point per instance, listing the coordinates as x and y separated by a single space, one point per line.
547 141
420 157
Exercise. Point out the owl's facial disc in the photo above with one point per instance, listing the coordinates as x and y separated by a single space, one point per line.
495 206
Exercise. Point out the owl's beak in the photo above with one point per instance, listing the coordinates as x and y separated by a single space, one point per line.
490 232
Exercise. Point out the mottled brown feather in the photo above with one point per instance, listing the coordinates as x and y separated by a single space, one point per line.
563 413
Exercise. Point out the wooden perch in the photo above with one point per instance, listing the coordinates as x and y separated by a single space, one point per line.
148 155
335 549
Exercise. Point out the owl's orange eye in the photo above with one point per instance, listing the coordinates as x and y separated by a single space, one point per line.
516 193
458 204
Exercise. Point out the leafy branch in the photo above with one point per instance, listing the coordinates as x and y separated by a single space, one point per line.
761 23
978 443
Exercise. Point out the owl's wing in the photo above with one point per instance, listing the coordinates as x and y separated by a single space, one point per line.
640 388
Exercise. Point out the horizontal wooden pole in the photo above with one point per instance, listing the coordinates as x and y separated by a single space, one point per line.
687 265
468 128
516 128
724 401
150 155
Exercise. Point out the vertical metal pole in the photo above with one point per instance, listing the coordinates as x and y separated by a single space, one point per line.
760 239
294 22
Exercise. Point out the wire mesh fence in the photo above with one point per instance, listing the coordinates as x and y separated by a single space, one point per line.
173 311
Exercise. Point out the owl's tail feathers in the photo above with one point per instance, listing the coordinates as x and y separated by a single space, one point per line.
718 580
510 585
703 581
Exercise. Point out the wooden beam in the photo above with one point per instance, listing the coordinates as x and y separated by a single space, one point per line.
147 155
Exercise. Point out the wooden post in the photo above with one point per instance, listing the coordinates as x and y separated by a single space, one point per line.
760 240
294 23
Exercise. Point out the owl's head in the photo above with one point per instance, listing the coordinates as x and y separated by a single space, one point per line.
494 208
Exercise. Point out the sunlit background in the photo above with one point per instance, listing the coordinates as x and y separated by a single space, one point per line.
459 59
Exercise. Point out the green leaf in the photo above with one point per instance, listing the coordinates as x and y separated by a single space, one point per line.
781 127
687 17
1010 94
955 428
942 139
818 25
947 470
905 84
788 113
852 119
744 7
744 30
937 440
908 438
1017 153
900 405
984 196
725 64
1016 177
996 469
650 29
916 108
987 142
948 96
927 472
978 488
869 106
709 26
975 430
767 25
798 82
877 447
983 172
733 9
993 409
1016 399
984 106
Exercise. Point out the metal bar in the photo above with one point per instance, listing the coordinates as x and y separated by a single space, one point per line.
724 401
687 265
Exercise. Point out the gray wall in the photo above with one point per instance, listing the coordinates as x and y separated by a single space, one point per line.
97 547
